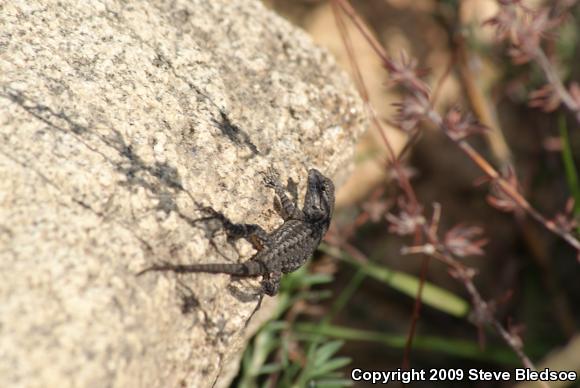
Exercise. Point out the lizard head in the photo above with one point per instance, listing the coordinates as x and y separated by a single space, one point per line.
319 201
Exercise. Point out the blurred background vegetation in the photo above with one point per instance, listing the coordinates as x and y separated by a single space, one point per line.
352 307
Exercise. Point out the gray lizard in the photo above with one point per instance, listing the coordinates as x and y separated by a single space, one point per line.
283 250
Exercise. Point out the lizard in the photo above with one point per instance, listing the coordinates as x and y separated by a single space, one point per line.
283 250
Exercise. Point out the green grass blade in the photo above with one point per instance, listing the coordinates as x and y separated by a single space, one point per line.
327 367
433 296
570 167
327 350
451 347
345 295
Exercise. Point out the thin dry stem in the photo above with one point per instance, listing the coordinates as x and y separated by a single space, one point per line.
526 29
506 186
403 179
483 308
554 79
478 99
392 157
461 270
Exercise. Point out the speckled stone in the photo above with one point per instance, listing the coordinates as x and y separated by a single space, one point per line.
116 119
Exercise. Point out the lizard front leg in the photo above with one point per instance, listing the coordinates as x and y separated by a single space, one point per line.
253 233
289 207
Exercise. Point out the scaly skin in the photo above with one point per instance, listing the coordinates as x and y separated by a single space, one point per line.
283 250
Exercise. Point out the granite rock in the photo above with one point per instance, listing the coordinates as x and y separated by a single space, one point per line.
118 120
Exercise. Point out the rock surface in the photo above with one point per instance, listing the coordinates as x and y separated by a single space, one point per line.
117 121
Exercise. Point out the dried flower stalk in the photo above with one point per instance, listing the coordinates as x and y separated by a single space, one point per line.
417 107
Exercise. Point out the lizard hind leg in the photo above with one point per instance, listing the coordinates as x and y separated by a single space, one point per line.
271 283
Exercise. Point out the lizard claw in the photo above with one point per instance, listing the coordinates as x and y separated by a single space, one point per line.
271 178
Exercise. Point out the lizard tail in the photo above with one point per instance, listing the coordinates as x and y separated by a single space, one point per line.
252 268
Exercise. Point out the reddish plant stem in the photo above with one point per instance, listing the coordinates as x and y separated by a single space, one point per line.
361 26
416 314
482 306
436 250
405 184
538 55
505 186
403 180
392 157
